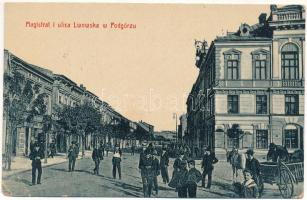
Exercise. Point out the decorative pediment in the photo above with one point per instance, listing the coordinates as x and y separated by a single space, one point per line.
260 51
232 51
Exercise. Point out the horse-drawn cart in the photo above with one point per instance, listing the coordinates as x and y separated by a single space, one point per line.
285 175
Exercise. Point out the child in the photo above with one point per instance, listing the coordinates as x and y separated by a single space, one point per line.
249 187
194 176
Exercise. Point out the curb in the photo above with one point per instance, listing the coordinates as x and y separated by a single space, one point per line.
4 177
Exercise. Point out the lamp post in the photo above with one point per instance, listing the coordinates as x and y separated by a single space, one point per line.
175 117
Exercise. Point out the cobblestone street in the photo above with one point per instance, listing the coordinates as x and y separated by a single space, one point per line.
57 181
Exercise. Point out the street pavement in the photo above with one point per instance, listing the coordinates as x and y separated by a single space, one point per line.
58 182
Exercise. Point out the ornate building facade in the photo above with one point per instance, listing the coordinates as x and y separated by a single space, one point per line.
250 88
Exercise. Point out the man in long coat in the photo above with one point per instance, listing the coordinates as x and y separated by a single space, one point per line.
36 155
164 162
72 156
207 165
147 172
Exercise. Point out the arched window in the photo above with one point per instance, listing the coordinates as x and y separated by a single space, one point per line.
289 61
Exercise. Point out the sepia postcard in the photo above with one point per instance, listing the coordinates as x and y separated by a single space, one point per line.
153 100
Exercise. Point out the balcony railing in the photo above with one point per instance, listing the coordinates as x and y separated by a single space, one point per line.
259 83
289 16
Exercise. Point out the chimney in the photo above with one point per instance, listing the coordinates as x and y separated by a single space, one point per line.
262 18
273 7
82 87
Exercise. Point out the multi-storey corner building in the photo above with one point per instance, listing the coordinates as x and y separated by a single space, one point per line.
251 82
60 91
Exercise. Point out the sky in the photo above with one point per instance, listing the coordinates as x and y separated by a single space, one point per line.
145 73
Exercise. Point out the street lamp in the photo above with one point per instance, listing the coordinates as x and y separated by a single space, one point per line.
175 117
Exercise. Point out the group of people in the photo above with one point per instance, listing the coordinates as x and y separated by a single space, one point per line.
251 186
185 179
185 176
150 166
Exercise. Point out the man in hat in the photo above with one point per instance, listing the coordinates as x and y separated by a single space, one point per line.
164 160
36 155
156 169
253 165
72 156
207 165
193 177
147 173
132 149
142 154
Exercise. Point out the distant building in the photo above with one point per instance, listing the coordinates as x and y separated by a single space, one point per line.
182 127
144 131
168 135
250 87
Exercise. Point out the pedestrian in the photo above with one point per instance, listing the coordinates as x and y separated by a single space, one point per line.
36 155
164 161
52 149
32 144
150 148
147 172
132 150
182 187
142 168
72 156
177 162
193 177
208 161
253 165
96 158
156 169
249 187
101 149
107 149
116 160
237 162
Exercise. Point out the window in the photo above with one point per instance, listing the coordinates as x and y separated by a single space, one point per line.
261 139
289 61
291 104
260 69
291 138
60 99
232 59
233 104
261 104
232 69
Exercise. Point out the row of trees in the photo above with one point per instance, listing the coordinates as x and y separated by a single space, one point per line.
22 102
25 102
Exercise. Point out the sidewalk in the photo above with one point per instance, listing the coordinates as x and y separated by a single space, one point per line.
22 163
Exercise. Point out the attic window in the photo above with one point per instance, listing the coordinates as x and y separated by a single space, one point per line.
244 30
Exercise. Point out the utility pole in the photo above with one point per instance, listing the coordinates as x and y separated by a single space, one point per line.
175 117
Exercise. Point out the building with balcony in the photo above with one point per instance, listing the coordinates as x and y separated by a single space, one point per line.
250 87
